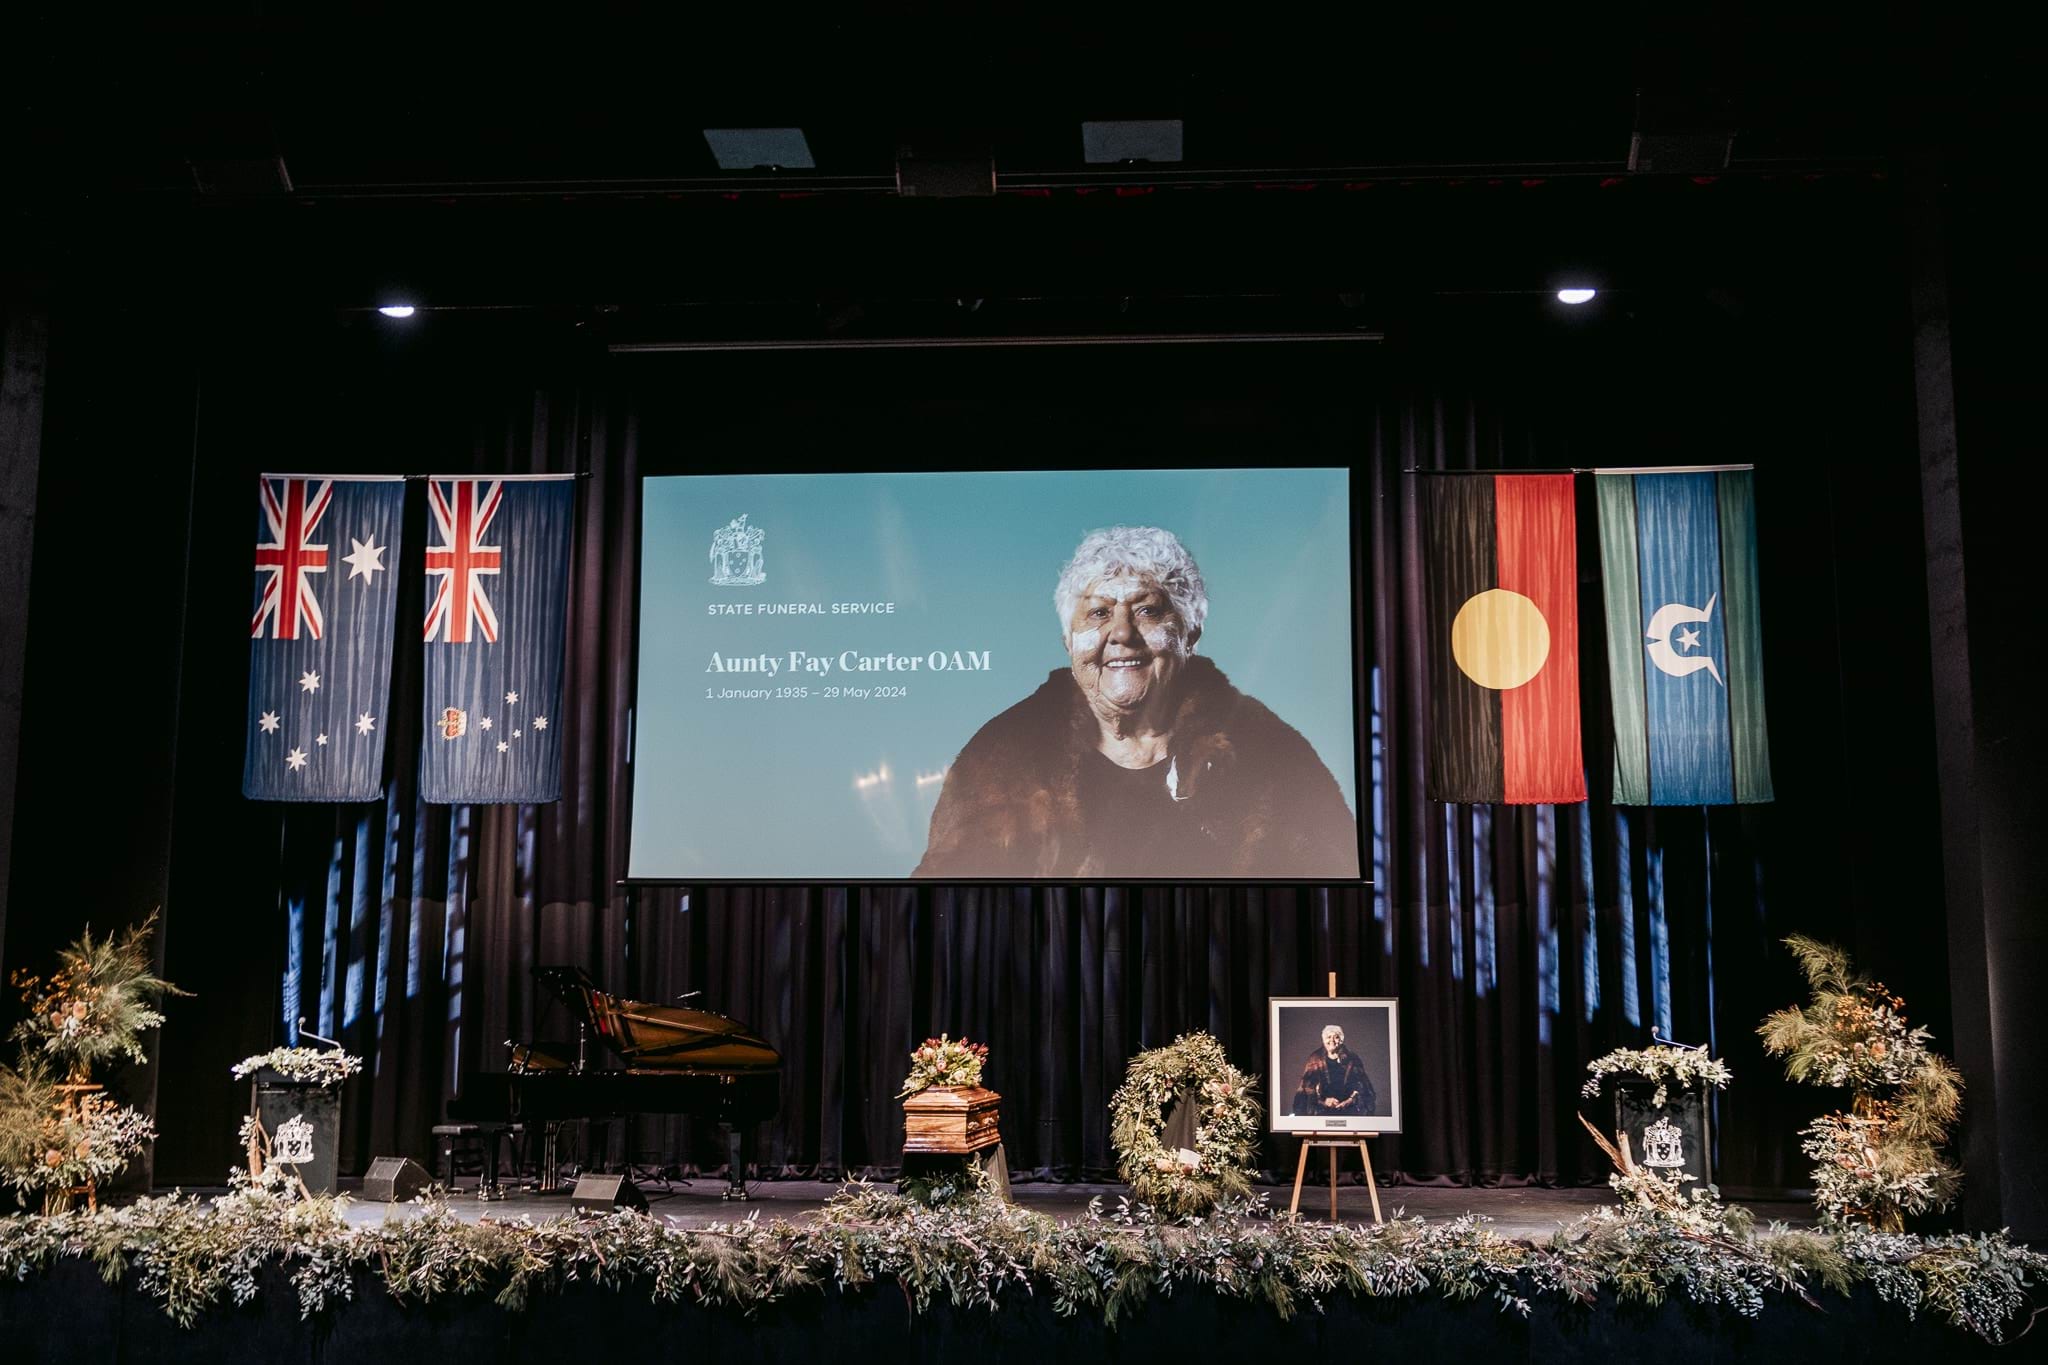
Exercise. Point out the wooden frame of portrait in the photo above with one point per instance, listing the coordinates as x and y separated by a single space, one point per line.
1359 1016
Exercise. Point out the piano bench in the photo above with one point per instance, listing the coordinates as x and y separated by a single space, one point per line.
487 1137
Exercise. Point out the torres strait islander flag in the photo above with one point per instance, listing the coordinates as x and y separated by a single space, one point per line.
1504 638
496 624
321 631
1684 648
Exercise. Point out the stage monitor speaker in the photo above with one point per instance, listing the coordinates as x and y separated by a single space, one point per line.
394 1178
603 1193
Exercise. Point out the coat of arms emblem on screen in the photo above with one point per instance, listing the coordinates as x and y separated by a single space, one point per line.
736 555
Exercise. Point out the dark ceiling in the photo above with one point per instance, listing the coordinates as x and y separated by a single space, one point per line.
362 99
554 157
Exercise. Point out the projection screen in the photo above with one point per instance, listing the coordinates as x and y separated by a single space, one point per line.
1102 675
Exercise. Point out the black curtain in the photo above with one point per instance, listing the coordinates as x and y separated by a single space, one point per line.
1521 941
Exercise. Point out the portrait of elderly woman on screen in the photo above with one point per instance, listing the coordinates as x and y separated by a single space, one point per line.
1139 759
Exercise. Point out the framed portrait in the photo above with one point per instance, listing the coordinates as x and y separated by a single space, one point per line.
1333 1065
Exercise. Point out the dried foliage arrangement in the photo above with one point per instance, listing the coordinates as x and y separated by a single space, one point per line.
96 1007
1881 1160
1189 1181
54 1141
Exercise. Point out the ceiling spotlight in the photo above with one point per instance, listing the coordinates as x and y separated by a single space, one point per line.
398 310
1575 295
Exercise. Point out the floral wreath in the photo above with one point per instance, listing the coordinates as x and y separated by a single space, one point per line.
1226 1126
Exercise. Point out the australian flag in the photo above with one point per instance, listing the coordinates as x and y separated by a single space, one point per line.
320 636
496 623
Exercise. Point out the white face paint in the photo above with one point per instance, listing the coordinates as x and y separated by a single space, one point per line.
1126 642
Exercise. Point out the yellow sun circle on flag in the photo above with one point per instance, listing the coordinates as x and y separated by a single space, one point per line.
1500 639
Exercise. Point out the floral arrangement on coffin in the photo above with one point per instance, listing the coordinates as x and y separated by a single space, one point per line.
96 1007
1663 1065
944 1061
1881 1160
321 1066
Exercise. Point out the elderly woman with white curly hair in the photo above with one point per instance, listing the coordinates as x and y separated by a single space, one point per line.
1139 759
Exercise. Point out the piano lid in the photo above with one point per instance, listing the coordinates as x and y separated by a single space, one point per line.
660 1037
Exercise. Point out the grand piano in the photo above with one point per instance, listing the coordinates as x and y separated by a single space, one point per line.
668 1060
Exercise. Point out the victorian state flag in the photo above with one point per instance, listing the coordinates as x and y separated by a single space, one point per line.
1684 652
320 636
497 607
1504 639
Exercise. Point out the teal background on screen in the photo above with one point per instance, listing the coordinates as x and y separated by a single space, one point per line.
796 788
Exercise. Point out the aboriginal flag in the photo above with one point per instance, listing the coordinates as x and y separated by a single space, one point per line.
1684 643
1503 639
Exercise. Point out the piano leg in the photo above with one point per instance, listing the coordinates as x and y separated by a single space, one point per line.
550 1153
736 1162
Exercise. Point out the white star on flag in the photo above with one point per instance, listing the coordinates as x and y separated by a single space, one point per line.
511 699
267 722
320 740
368 559
540 722
295 760
515 734
1689 638
365 723
503 746
309 682
484 724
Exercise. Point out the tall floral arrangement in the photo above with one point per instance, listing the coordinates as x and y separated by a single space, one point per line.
96 1006
59 1135
1881 1159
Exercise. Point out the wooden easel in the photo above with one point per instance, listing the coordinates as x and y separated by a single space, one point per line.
1357 1140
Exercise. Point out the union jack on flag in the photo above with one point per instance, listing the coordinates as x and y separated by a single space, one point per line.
463 510
292 509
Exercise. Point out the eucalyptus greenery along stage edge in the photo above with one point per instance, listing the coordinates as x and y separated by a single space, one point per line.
1663 1065
978 1252
1219 1167
321 1066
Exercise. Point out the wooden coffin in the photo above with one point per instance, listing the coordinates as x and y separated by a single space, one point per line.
951 1119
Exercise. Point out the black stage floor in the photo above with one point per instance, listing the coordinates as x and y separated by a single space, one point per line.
1521 1211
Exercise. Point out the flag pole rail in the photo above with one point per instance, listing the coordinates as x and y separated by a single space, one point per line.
422 478
1587 469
